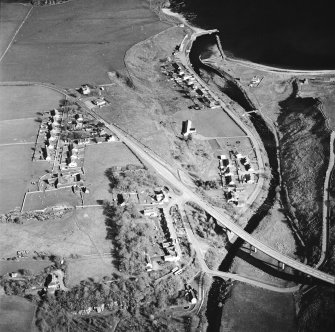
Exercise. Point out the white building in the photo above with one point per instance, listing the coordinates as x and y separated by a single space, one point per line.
187 128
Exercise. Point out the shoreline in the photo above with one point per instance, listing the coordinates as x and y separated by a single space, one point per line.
247 63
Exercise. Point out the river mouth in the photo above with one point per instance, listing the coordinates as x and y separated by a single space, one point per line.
283 34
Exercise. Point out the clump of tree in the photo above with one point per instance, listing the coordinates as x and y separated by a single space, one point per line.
206 185
27 281
18 217
133 302
130 181
132 237
74 134
206 226
212 258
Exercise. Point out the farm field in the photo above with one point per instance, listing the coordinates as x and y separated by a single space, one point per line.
90 267
16 172
11 16
16 314
98 158
19 102
91 37
212 123
42 200
18 131
65 236
35 266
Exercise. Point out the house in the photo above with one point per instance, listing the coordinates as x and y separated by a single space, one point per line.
229 179
14 274
99 309
73 164
99 102
191 296
171 258
150 212
187 128
255 81
54 112
85 89
249 178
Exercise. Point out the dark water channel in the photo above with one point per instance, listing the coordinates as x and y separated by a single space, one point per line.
214 310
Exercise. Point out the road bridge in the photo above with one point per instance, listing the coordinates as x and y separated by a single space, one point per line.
170 176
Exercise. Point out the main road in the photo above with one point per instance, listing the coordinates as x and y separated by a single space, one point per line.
169 174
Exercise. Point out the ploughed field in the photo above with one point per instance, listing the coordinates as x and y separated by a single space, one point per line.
20 106
90 38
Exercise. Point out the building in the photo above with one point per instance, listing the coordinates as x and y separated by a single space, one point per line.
150 212
171 258
85 90
100 308
99 102
187 128
13 274
249 178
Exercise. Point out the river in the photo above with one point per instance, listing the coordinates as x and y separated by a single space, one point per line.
260 308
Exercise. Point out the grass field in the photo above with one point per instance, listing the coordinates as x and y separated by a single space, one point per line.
19 102
11 16
212 123
98 158
35 266
64 236
16 314
91 267
254 309
18 114
91 38
16 169
59 197
18 131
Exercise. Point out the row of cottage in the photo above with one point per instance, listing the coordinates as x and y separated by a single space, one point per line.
179 74
236 167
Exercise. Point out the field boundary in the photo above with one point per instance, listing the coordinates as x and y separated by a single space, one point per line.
16 32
